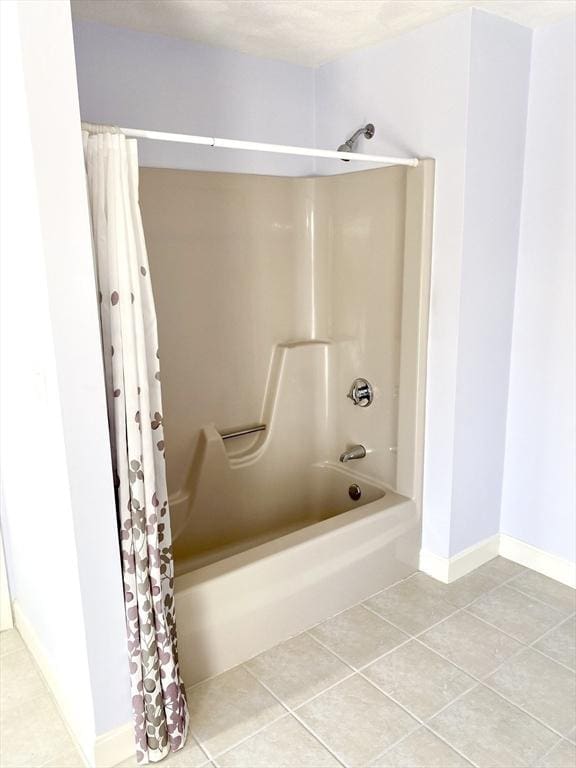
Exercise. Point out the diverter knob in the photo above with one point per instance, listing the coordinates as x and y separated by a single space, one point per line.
361 393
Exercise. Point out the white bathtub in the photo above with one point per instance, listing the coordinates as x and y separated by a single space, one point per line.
230 610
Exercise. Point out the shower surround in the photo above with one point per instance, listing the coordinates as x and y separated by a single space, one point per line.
273 294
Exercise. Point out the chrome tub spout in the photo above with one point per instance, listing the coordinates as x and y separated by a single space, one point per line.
356 452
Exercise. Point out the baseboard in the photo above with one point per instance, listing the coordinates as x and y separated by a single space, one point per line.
115 746
108 749
448 569
531 557
6 620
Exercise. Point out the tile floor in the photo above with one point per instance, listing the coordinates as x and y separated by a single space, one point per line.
481 673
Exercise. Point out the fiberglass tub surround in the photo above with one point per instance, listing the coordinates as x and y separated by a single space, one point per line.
273 295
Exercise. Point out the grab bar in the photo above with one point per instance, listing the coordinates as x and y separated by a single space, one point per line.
241 431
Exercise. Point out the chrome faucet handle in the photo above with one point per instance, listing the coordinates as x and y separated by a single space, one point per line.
361 393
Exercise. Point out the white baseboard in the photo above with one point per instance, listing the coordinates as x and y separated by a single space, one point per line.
448 569
6 621
531 557
115 746
108 749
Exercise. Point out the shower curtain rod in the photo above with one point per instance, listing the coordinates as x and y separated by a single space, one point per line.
256 146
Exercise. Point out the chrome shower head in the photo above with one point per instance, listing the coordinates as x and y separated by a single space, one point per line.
348 146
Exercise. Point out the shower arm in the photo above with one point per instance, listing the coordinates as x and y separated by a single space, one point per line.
367 131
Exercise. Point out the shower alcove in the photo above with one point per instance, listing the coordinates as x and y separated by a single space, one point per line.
273 294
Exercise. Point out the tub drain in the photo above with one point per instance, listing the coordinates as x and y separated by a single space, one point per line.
354 492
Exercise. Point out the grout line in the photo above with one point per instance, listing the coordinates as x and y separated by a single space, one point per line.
526 645
368 663
355 605
333 653
423 723
216 755
503 583
483 681
358 672
299 719
539 600
553 629
197 742
571 617
554 661
319 739
494 626
407 632
310 698
483 684
548 751
446 599
551 728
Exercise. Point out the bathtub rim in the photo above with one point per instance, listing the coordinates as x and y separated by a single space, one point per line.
299 538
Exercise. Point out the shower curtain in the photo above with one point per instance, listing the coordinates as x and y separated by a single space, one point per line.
132 369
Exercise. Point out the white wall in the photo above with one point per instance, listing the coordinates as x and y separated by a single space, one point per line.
138 80
539 486
59 518
496 126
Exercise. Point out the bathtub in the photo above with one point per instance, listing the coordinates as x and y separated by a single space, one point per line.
335 553
267 540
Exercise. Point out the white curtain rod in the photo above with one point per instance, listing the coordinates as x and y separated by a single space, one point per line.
256 146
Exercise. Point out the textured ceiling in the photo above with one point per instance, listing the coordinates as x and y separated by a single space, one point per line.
308 32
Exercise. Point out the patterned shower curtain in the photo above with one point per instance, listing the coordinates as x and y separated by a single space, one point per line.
131 362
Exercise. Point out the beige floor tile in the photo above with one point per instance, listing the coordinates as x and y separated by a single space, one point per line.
572 734
480 581
10 641
419 679
540 686
356 721
413 605
69 759
560 643
421 750
562 756
557 595
470 643
298 669
492 733
358 635
228 708
19 678
516 613
506 569
284 744
32 734
473 585
190 756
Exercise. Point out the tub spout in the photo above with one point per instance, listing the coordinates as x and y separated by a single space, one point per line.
356 452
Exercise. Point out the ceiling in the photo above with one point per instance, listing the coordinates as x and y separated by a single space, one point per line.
308 32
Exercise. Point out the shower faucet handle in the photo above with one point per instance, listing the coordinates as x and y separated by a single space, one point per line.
361 393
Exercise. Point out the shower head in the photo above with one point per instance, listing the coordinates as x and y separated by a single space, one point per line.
348 146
